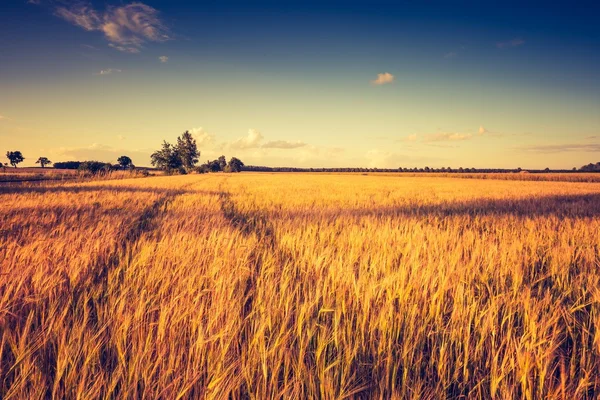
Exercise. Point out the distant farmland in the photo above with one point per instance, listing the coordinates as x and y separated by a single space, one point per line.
301 286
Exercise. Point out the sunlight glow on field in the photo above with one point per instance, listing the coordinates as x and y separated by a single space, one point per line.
300 286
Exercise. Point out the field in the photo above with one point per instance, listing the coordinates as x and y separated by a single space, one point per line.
300 286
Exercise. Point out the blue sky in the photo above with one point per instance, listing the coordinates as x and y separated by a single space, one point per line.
377 84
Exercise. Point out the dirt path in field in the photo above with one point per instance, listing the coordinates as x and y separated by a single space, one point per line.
253 221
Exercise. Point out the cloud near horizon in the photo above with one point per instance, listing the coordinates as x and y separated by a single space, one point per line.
202 137
562 148
163 59
447 136
283 144
100 152
383 79
254 141
127 28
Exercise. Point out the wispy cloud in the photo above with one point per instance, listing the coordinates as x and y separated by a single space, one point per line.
562 148
163 59
447 136
510 43
283 144
108 71
383 79
409 138
451 54
127 28
81 15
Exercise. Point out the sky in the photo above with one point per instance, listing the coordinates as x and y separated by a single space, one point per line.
304 83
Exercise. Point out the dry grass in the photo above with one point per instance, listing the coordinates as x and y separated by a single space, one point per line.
300 286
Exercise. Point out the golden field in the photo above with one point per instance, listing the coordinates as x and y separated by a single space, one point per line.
300 286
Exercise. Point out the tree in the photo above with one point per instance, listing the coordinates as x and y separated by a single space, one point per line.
43 161
234 165
222 163
187 150
95 167
125 162
167 158
213 166
14 157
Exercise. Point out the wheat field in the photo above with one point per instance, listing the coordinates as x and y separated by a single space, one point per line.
294 286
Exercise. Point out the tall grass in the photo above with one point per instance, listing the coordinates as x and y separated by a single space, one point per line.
300 286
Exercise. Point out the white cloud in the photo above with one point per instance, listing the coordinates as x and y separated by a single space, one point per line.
252 140
510 43
447 136
383 78
283 144
451 54
109 71
202 137
126 28
163 59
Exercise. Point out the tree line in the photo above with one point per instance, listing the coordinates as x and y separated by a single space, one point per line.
183 157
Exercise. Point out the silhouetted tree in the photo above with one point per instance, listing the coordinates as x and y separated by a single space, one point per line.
125 162
95 167
167 158
591 167
43 161
187 150
234 165
222 162
213 166
14 157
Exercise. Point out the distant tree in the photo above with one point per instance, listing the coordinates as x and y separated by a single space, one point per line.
187 150
591 167
125 162
234 165
43 161
67 164
14 157
222 162
213 166
95 167
167 158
